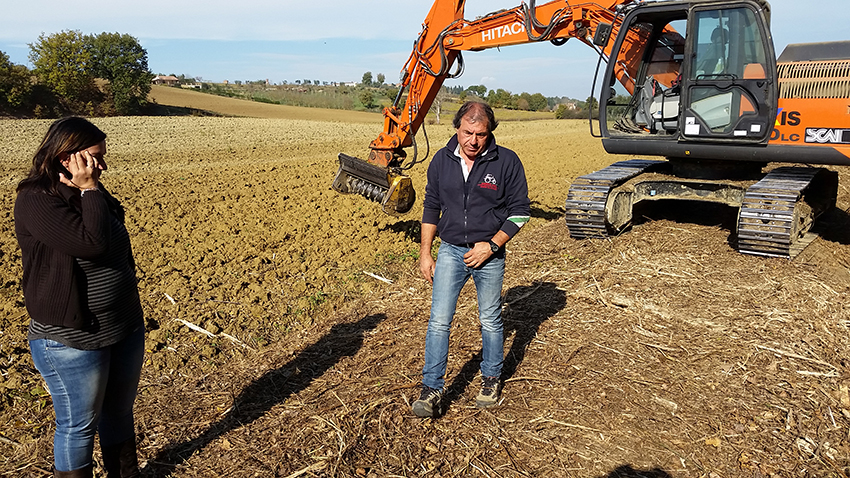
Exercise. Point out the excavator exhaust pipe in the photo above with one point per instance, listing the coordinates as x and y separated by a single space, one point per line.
392 190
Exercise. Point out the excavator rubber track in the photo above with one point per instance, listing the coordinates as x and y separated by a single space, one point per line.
588 195
778 212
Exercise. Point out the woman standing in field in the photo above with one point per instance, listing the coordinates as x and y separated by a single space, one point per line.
86 331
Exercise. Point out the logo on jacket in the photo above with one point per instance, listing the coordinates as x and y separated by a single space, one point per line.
489 182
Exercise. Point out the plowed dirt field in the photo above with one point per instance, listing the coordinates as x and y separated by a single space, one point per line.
286 323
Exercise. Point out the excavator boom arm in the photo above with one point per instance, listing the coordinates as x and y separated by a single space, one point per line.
445 33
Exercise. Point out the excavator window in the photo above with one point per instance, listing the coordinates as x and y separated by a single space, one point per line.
727 87
727 41
654 104
698 72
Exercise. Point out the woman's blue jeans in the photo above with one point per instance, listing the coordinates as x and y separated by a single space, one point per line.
92 390
450 275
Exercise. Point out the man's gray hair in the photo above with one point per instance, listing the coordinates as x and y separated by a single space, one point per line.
475 111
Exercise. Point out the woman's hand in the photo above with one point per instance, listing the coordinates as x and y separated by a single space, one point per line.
84 168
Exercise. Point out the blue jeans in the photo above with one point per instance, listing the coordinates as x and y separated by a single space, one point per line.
92 390
450 275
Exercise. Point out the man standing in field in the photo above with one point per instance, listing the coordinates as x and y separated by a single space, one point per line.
476 200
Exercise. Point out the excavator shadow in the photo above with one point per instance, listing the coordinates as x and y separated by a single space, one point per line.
411 229
525 309
834 226
275 386
549 214
687 212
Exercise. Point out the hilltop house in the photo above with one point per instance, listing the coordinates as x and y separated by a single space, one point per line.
165 80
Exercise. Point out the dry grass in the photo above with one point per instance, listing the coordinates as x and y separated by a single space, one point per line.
658 353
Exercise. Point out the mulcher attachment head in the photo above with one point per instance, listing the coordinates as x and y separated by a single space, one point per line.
393 190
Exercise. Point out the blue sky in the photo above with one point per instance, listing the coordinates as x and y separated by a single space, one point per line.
338 41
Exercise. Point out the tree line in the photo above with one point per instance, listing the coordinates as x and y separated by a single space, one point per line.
500 98
93 75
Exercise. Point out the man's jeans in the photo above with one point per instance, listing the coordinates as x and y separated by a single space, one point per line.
450 274
92 390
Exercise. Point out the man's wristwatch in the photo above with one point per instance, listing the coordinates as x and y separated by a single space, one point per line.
494 247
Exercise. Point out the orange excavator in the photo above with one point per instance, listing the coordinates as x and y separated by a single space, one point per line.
692 84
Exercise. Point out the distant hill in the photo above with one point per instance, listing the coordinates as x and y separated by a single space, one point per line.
194 102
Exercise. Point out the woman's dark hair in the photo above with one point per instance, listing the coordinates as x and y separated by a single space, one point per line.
477 111
66 135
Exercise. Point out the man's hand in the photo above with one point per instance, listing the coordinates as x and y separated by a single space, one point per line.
477 255
426 261
426 267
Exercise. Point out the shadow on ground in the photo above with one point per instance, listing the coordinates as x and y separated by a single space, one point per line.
526 308
271 389
543 212
834 226
167 110
626 471
411 229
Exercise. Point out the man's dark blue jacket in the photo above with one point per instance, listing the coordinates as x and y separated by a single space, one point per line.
495 197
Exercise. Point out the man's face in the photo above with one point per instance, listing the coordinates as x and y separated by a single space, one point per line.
472 137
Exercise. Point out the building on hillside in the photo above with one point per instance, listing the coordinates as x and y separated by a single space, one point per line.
169 80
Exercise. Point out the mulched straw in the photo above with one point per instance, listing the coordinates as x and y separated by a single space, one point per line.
661 352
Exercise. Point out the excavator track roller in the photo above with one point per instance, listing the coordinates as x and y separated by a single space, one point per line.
394 191
778 212
587 199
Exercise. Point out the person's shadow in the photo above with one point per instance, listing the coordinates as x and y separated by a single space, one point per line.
527 307
626 471
272 388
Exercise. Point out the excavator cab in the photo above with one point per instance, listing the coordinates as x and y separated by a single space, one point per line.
705 76
704 96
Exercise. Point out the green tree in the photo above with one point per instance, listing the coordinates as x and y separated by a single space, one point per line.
381 79
367 99
500 99
561 111
538 102
367 79
122 61
593 106
522 102
479 90
63 64
15 86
